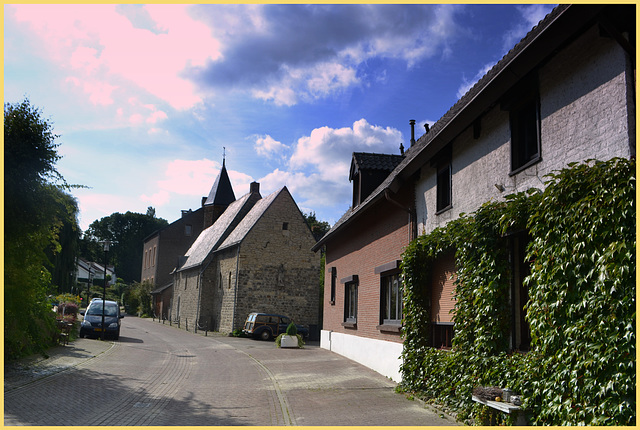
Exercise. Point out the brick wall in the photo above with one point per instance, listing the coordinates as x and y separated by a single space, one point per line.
375 240
584 92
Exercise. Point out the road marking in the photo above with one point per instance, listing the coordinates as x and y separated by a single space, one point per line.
289 420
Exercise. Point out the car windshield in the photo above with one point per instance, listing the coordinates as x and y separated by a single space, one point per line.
110 309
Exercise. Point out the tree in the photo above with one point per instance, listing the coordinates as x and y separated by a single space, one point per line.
39 222
318 228
127 232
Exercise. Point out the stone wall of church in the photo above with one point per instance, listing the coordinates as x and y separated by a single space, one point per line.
278 272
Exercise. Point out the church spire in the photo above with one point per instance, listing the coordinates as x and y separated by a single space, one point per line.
220 196
221 193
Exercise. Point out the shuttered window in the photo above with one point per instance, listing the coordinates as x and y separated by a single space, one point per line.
442 289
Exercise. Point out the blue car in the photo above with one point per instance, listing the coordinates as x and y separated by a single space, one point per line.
92 323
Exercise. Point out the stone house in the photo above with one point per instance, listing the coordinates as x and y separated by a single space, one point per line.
255 258
163 248
565 93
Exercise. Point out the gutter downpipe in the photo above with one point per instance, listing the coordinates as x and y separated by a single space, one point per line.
387 195
235 293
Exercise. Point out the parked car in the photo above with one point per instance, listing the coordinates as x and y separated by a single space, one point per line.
267 326
92 323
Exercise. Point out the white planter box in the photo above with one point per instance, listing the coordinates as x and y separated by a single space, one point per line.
288 341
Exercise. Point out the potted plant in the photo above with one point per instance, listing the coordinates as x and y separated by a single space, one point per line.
290 338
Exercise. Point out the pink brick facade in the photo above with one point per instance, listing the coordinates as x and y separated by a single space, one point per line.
373 241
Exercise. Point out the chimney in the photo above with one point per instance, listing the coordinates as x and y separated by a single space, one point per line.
426 127
254 187
401 149
413 131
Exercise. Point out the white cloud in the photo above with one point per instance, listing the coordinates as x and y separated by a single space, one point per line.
467 84
267 146
329 150
190 177
292 53
318 170
102 44
193 179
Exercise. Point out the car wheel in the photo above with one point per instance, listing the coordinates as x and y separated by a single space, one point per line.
265 335
81 334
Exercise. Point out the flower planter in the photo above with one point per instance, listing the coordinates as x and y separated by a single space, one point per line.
288 341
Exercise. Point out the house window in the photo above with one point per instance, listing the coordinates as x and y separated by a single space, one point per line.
520 331
391 299
443 300
443 188
350 300
442 163
285 226
523 105
334 276
188 229
229 285
442 334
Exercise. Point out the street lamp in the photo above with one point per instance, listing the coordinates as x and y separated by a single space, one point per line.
89 281
105 248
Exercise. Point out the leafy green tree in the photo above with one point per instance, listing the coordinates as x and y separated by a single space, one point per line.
318 228
127 233
39 218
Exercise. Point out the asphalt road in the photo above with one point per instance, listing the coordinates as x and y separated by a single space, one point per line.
163 376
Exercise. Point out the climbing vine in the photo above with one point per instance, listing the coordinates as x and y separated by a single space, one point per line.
581 312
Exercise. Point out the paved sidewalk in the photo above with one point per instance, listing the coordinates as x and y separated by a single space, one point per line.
60 358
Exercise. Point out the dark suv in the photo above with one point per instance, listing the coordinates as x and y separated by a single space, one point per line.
267 326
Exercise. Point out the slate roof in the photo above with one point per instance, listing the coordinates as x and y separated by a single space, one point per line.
247 223
221 192
549 35
373 161
211 237
161 289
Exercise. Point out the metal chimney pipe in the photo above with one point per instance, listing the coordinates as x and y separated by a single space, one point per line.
413 131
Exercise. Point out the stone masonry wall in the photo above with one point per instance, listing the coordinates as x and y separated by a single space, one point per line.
185 298
278 272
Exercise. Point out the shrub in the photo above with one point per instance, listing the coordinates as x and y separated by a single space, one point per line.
292 330
581 367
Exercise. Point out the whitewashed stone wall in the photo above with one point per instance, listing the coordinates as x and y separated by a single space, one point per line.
585 110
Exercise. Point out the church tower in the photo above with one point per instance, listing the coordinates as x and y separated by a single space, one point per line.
220 196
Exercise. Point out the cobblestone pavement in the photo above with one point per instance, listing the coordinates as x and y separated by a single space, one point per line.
164 376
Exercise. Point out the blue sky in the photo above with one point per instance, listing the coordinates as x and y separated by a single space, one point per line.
145 97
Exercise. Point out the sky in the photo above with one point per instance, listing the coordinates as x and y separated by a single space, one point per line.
148 100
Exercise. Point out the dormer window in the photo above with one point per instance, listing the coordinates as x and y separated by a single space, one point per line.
368 171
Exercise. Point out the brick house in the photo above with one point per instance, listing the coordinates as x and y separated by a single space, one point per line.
255 258
563 94
163 248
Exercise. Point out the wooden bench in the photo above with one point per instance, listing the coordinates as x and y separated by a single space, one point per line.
64 332
507 408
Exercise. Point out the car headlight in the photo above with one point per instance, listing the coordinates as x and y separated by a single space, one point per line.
85 323
113 325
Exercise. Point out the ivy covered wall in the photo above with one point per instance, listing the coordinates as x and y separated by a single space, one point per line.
581 309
